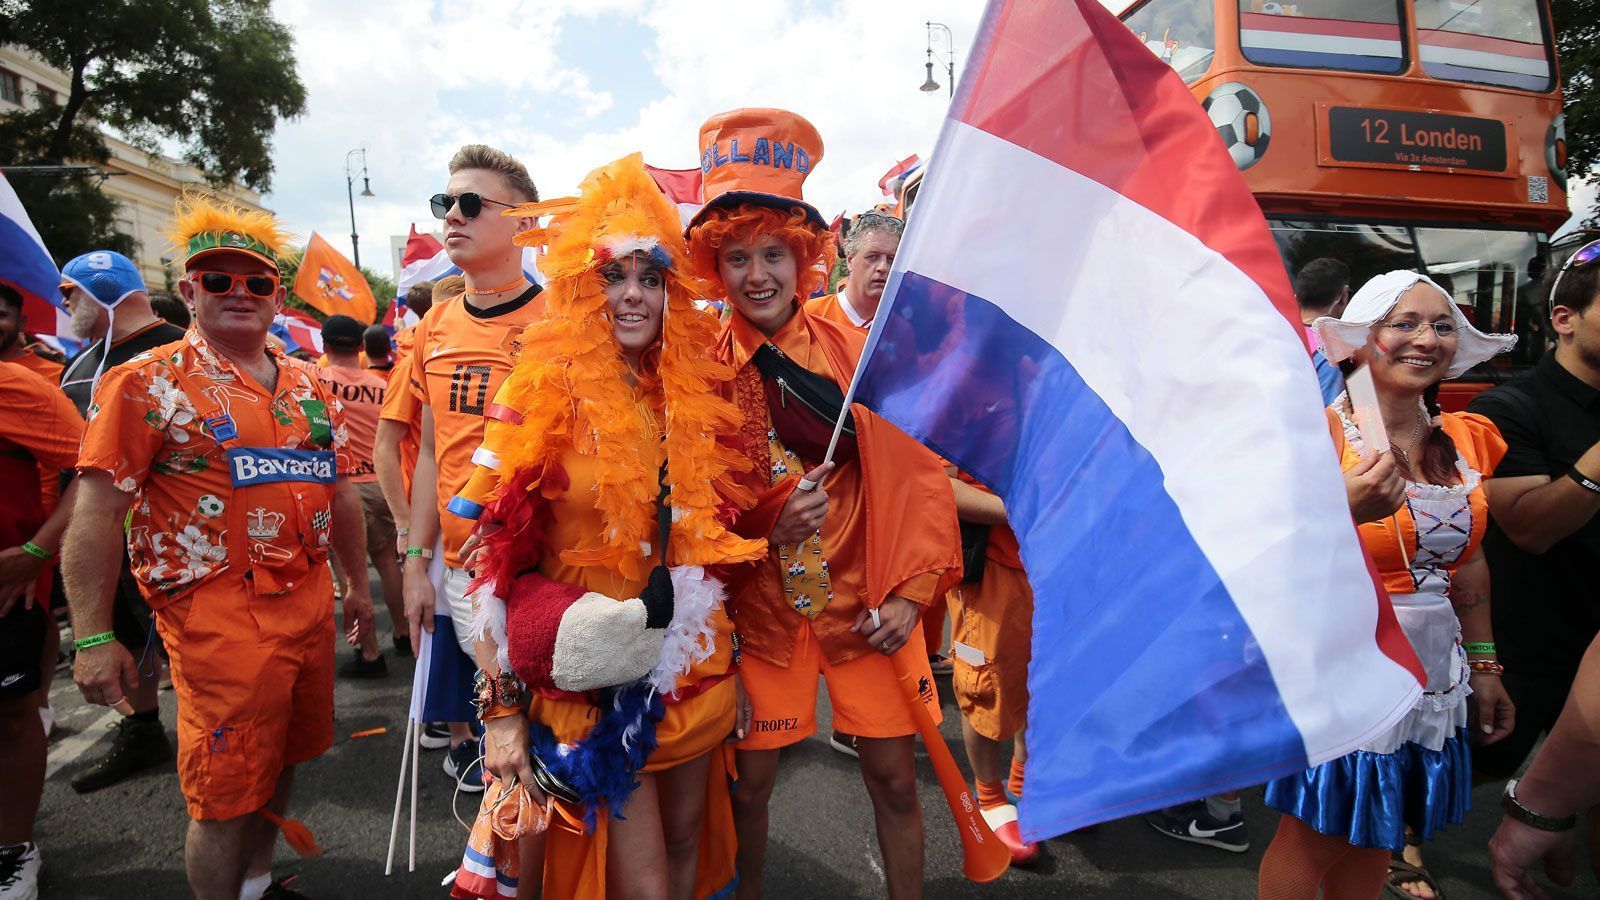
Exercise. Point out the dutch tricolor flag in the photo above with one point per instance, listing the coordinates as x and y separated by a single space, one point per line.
26 265
1089 315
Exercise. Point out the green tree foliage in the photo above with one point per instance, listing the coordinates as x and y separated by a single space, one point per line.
211 77
1577 24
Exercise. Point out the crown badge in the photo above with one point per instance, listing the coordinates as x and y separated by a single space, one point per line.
262 525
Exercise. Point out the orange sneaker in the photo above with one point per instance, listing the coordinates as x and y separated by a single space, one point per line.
1003 822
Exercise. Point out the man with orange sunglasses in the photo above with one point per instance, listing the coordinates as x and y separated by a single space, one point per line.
230 460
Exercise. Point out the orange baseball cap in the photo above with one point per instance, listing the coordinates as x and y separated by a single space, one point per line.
759 156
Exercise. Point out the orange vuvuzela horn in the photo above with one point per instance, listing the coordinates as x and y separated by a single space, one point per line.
983 857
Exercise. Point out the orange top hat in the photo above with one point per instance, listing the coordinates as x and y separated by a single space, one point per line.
759 156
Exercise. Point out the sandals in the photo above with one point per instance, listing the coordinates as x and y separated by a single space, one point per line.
1402 872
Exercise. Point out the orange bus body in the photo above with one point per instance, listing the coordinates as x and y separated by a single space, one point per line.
1402 168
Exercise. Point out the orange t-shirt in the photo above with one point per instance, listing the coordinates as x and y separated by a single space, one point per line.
50 371
404 340
461 356
39 433
361 393
836 308
190 524
401 405
46 368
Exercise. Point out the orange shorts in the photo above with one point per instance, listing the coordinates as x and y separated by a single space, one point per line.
254 679
866 695
991 640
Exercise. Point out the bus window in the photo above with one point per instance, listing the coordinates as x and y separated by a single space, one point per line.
1499 42
1183 33
1494 277
1368 250
1353 35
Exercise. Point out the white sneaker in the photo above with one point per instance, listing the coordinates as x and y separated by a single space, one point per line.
19 872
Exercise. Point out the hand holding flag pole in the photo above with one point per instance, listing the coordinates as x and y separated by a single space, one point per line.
983 857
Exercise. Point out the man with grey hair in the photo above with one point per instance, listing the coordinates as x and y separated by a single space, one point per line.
869 248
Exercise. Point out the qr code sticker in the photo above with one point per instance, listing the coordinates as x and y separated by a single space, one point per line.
1538 189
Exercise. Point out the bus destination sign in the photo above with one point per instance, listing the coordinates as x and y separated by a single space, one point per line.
1415 140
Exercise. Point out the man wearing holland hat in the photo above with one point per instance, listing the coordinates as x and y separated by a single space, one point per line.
845 583
229 459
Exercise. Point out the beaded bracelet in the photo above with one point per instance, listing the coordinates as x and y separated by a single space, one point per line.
1483 647
32 549
1487 667
95 640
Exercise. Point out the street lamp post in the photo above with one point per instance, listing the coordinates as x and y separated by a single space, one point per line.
948 57
350 191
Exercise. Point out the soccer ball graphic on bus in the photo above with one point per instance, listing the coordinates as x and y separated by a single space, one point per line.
1241 120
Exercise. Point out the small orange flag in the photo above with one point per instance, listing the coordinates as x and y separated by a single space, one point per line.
332 284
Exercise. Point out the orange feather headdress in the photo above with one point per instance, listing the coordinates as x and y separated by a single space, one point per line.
205 223
570 388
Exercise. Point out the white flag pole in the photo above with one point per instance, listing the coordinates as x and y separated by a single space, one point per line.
399 794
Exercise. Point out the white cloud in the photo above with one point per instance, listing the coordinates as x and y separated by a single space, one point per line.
414 81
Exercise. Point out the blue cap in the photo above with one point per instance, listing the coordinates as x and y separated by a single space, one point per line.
108 276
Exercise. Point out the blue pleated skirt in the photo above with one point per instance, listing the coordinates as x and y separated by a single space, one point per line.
1369 798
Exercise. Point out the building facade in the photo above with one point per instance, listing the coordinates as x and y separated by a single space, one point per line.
144 185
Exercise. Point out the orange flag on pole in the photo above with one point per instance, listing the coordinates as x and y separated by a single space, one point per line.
332 284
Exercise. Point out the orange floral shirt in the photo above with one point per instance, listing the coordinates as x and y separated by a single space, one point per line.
158 443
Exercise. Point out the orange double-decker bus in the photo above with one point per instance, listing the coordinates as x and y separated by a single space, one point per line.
1417 134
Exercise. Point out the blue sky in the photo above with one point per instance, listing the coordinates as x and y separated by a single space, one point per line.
567 85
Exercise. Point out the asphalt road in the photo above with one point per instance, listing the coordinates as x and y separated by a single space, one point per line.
126 842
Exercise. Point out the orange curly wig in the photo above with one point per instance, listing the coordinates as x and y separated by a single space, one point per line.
812 247
569 388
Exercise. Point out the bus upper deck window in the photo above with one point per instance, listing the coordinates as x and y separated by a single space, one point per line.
1183 33
1499 42
1353 35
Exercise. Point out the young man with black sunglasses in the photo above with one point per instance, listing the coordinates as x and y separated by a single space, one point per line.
1544 544
462 353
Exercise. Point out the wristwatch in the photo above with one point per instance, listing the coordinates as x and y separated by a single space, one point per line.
1528 817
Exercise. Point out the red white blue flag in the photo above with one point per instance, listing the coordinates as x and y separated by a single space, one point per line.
26 265
1088 314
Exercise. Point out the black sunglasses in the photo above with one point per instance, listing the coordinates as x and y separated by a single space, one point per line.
471 204
1585 255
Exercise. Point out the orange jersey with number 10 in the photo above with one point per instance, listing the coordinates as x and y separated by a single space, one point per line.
460 357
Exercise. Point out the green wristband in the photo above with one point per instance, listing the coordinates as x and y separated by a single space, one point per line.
1479 647
95 640
32 549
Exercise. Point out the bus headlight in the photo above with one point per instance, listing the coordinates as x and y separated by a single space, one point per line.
1555 150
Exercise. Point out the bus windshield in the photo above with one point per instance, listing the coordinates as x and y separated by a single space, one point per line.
1493 275
1183 33
1353 35
1499 42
